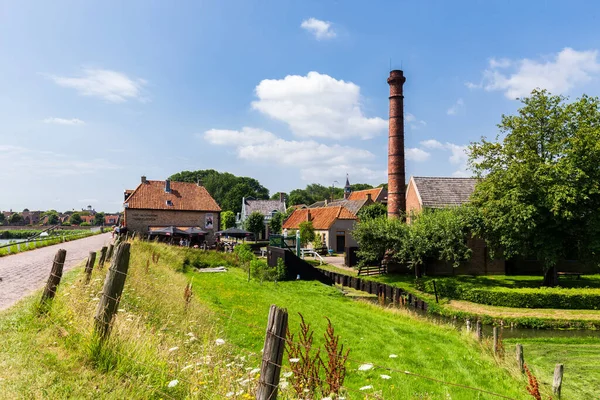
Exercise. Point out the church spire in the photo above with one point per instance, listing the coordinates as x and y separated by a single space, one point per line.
347 188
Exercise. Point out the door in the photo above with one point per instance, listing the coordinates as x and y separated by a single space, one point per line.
340 242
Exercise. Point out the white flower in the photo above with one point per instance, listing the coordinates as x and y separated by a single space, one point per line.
287 374
219 342
283 384
254 371
393 356
121 310
95 299
229 394
173 383
187 367
366 387
326 398
240 392
365 367
191 334
294 360
385 377
172 349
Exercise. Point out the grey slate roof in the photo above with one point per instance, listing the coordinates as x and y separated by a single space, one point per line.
265 207
351 205
437 192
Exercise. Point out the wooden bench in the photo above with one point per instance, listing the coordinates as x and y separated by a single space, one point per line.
576 274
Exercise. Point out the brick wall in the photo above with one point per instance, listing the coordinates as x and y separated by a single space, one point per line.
479 264
139 220
412 201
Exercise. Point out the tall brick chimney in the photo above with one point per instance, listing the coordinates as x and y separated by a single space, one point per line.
396 175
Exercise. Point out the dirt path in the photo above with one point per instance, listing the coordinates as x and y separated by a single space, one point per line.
26 272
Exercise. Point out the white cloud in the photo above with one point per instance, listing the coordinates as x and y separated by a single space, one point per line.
27 162
321 29
432 144
418 155
64 121
456 107
246 136
317 105
112 86
558 74
316 161
413 122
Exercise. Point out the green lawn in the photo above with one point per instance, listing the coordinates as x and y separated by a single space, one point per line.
581 359
372 334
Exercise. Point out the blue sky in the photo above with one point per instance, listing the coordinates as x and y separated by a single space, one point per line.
95 94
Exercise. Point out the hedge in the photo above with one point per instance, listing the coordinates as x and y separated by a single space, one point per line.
545 297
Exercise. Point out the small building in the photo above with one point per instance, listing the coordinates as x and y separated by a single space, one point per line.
333 224
377 195
437 192
88 218
354 201
268 208
112 219
156 204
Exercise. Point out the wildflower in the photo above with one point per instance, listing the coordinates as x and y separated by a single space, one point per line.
173 383
219 342
254 371
172 349
187 367
96 299
229 394
283 384
385 377
288 374
294 360
366 387
365 367
121 310
326 398
191 334
393 356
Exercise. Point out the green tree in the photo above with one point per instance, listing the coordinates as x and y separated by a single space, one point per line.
99 219
53 217
378 236
15 219
307 233
541 192
360 186
276 222
372 211
2 218
227 219
255 223
227 189
75 219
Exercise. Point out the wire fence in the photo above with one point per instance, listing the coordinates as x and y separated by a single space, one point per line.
154 287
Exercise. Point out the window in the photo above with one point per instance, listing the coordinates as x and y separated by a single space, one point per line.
169 203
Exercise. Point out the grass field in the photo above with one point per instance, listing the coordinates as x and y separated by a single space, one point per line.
581 359
157 340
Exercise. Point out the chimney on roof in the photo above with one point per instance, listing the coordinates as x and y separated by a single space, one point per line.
325 204
199 182
308 216
144 179
168 186
281 197
126 195
369 199
396 174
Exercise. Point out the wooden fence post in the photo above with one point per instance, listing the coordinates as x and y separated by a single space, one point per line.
435 291
272 354
496 344
112 290
55 276
89 266
102 256
557 383
520 359
478 331
109 252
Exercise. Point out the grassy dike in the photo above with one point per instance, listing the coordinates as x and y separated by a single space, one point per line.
157 342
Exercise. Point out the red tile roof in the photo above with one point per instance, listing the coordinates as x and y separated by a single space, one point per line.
183 196
362 194
322 218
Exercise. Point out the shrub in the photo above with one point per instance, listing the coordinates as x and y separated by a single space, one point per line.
260 270
544 297
85 224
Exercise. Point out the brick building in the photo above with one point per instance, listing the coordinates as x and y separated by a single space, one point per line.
155 204
333 224
440 192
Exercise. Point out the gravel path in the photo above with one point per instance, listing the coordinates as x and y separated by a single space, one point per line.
26 272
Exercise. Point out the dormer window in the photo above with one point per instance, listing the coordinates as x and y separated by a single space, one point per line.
169 203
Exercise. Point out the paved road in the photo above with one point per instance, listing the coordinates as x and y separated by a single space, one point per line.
26 272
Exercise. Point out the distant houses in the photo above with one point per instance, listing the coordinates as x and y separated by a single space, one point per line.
268 208
155 205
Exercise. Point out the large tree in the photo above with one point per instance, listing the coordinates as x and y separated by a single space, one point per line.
227 189
15 219
99 219
540 195
316 192
75 219
227 219
276 222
